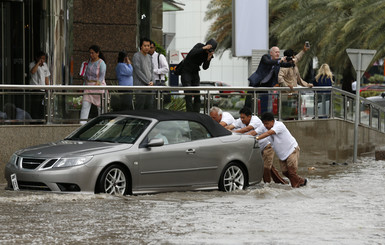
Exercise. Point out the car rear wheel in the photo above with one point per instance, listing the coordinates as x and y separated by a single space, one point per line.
115 181
232 178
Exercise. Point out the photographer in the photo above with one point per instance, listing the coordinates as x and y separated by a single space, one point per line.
200 54
266 75
289 76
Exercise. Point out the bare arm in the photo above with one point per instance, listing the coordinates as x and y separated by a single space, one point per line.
230 127
245 129
265 134
34 69
223 123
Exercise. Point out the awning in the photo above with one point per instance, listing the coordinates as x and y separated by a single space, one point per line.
172 5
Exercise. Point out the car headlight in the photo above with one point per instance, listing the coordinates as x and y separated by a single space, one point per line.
13 159
71 162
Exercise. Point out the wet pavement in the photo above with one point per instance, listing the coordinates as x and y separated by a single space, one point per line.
342 204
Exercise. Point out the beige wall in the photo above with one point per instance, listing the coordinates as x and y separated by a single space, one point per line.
332 140
320 140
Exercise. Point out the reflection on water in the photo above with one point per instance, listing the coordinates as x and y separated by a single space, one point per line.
342 204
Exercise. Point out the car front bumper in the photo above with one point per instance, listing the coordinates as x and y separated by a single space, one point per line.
71 179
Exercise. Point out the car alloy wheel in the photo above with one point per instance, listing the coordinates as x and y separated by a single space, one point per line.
233 178
114 181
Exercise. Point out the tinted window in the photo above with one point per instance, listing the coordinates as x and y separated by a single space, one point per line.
198 131
112 129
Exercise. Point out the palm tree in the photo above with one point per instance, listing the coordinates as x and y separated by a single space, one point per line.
221 12
331 26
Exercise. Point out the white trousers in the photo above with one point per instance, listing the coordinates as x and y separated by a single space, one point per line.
86 107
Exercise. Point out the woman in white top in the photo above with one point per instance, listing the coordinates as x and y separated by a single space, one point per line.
285 146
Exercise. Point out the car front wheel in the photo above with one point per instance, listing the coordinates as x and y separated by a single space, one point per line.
232 178
114 181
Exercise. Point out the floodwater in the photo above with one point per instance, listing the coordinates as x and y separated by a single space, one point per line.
342 204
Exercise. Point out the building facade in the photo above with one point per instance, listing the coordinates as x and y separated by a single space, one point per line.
64 30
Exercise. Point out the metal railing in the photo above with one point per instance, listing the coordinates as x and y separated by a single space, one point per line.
62 104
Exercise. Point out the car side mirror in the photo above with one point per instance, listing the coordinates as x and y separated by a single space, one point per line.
155 142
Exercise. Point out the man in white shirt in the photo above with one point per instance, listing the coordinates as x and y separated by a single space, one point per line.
269 172
246 122
160 66
39 72
223 118
285 146
39 75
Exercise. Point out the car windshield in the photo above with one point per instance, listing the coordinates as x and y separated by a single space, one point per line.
119 129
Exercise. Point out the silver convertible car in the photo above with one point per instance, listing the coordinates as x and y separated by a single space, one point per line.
140 152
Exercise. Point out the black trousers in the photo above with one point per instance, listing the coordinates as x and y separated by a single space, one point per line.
192 79
144 101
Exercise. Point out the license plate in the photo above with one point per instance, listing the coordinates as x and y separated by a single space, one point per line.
14 182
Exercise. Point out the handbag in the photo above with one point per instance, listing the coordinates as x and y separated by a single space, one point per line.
83 68
253 79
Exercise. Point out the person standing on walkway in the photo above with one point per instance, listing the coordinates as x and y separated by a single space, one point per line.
266 75
290 76
285 146
323 78
39 72
223 118
39 75
124 72
161 68
200 55
143 75
94 75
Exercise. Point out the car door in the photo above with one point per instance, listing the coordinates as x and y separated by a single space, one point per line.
173 164
211 154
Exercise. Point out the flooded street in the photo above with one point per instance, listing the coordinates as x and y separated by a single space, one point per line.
342 204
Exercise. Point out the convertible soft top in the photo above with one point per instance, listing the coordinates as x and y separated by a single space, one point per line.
215 129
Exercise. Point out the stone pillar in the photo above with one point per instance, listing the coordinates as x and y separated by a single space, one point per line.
112 25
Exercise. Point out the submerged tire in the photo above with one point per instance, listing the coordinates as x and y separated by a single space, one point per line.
232 178
115 181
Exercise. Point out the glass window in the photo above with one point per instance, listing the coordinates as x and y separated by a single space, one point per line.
198 131
173 132
112 129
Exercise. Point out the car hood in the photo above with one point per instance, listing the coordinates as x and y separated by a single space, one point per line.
71 148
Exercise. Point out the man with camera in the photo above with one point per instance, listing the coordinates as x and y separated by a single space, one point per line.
266 75
290 76
200 54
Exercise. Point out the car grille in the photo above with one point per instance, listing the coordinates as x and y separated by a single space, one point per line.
24 185
33 163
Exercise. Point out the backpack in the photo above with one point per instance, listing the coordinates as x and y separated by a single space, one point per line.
179 68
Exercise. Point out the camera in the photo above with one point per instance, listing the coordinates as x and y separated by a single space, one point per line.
307 44
289 59
211 50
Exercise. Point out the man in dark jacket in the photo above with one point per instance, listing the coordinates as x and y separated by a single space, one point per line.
200 54
267 75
